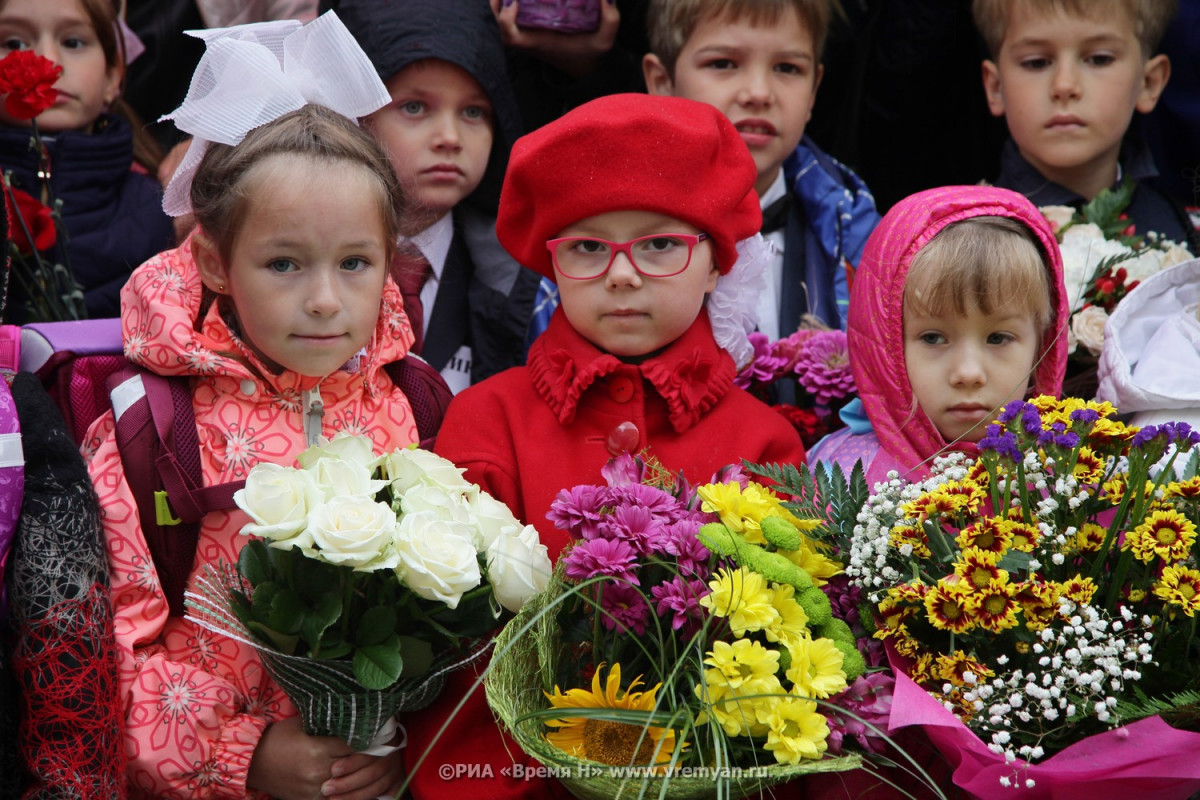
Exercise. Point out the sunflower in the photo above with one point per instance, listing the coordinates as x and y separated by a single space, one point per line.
600 739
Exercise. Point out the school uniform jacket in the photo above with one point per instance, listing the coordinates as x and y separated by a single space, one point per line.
532 431
196 703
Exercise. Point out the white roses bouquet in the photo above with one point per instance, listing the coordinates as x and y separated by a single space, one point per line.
366 578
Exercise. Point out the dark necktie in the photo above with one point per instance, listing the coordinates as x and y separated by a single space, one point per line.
410 270
776 213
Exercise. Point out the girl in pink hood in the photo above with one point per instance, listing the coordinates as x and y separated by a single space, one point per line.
956 309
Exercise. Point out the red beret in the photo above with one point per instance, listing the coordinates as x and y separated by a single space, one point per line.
629 152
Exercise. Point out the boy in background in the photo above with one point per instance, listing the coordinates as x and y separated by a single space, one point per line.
759 63
1067 76
448 130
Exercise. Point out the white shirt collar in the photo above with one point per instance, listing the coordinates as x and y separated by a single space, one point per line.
774 191
434 242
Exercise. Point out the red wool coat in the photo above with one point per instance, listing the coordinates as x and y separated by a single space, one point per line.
529 432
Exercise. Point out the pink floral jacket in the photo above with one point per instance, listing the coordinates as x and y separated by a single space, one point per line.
196 703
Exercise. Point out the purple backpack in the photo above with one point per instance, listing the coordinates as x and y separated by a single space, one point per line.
82 366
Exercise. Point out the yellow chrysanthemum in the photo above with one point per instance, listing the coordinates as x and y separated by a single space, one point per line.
816 668
793 621
1110 433
742 661
818 567
603 740
1165 534
744 598
994 607
795 731
737 710
743 509
1180 587
948 607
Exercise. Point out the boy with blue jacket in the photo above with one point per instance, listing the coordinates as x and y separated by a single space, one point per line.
759 62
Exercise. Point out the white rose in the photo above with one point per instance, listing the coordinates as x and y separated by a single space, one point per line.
448 504
1083 248
1088 327
492 517
409 466
1057 215
346 446
518 567
436 562
278 500
337 477
354 531
1176 254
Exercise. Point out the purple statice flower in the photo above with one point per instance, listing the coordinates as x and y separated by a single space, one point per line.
623 608
764 367
1180 434
1002 441
679 540
579 510
594 557
1027 413
1145 435
681 596
824 367
1085 416
869 700
1058 435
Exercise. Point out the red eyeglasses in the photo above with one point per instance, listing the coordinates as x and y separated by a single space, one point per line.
659 255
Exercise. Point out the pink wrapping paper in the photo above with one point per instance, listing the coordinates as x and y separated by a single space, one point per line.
1147 760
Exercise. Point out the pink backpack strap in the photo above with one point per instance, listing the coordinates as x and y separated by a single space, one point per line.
160 454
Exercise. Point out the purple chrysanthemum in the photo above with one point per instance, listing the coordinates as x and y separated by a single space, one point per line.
622 470
637 525
623 608
663 506
681 596
867 700
824 367
764 367
577 510
601 557
679 540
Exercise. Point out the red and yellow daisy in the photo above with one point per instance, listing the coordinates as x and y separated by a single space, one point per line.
986 534
1079 589
1039 603
1165 534
1189 489
1180 587
948 607
912 535
1089 468
977 568
994 607
953 667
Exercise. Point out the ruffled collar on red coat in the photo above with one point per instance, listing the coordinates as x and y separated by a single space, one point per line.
691 375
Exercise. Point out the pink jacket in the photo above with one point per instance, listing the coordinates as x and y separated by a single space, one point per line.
196 703
876 318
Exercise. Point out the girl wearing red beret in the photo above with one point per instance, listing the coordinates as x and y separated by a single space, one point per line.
642 210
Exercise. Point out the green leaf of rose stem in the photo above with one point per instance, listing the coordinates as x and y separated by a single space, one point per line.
318 619
378 666
375 626
254 562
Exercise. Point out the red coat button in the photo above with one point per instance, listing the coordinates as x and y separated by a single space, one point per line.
623 439
620 389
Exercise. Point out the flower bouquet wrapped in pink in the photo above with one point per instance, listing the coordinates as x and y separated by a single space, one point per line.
1040 604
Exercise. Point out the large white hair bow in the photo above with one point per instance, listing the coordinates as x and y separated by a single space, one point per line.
733 304
253 74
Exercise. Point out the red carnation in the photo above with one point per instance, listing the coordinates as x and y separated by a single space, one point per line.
27 80
38 221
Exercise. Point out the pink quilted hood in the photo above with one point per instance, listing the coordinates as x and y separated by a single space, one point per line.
876 317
